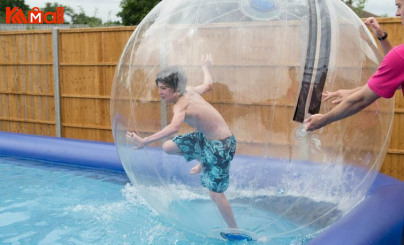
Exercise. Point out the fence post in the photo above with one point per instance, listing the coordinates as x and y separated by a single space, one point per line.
56 80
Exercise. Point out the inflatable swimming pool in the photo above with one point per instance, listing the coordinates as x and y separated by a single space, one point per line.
378 219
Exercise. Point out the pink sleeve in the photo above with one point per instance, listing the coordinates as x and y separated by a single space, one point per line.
390 75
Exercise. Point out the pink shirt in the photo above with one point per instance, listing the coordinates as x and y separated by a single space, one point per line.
390 75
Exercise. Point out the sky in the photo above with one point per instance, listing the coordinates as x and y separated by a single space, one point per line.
107 9
103 9
381 7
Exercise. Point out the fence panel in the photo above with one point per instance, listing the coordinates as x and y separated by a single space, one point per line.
88 58
26 82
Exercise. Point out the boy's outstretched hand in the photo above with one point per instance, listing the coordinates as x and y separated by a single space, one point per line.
137 141
206 60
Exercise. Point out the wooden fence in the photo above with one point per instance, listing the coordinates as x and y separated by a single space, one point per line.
85 68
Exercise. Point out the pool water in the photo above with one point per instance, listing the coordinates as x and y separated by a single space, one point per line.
48 203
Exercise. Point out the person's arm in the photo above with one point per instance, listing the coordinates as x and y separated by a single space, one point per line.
339 94
207 84
170 129
351 105
380 34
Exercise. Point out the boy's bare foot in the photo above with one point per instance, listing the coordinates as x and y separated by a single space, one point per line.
196 169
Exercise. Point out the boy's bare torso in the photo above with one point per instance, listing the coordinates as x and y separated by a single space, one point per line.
202 116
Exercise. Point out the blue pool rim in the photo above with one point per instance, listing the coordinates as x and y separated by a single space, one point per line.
377 220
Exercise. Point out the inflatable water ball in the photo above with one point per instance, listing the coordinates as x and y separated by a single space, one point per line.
272 59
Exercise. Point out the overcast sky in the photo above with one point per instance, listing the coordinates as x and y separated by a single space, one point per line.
103 9
107 9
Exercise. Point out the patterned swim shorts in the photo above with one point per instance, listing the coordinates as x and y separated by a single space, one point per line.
215 156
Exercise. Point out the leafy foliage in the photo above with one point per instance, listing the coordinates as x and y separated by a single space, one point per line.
358 5
82 18
52 7
77 18
133 11
12 3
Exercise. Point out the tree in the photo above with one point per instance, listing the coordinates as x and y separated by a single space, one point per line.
12 3
133 11
110 22
357 5
76 18
52 7
82 18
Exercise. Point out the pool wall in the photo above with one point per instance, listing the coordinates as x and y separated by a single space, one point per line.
378 220
92 154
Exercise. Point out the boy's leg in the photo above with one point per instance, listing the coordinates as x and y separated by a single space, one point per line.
171 148
224 208
196 169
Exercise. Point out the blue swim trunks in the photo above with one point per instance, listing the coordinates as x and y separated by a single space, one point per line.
215 156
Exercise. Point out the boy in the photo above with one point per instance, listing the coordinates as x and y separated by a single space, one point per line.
212 144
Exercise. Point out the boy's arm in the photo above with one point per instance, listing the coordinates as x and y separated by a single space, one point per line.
207 85
170 129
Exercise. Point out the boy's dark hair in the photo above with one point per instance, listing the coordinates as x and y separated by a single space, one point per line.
174 77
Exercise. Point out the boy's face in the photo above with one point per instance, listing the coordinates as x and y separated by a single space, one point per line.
166 93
